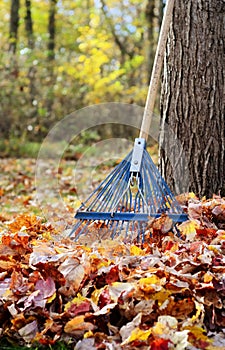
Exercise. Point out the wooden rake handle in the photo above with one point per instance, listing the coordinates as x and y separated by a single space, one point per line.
156 70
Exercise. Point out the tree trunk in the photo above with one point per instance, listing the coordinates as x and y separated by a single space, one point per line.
29 24
193 99
150 16
51 30
153 14
50 64
121 44
160 10
32 69
14 25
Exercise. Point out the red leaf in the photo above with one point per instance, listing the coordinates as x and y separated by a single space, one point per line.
113 275
104 298
75 310
46 287
206 232
159 344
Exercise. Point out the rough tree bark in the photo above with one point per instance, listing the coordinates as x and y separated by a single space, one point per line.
14 25
193 98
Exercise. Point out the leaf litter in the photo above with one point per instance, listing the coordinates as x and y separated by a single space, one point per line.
167 293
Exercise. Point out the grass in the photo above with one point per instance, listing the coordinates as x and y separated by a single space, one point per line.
19 149
6 345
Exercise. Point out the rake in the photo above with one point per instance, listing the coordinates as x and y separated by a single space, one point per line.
134 192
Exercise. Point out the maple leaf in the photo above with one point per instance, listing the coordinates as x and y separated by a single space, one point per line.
82 308
44 291
18 283
104 298
77 326
112 275
188 229
74 271
77 305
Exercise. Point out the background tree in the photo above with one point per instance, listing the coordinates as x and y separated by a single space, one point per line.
153 14
193 100
67 55
30 45
51 29
51 57
29 24
14 25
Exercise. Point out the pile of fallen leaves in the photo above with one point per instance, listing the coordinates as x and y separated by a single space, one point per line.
167 293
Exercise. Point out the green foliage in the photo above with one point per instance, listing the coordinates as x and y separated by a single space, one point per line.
15 148
101 55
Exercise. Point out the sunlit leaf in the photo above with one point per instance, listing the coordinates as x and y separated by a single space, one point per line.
78 326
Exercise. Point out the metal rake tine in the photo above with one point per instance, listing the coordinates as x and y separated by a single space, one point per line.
107 190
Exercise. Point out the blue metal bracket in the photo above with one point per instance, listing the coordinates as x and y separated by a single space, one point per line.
88 215
137 155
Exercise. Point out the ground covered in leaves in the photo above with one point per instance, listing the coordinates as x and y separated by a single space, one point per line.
167 293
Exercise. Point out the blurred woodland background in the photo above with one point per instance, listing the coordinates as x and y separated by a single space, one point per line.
58 56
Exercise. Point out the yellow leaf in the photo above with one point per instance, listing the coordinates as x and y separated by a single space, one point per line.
150 284
213 249
198 332
103 263
150 280
191 195
188 228
81 58
95 20
134 250
207 278
83 46
161 296
50 299
95 295
48 236
138 334
79 299
200 311
88 334
158 329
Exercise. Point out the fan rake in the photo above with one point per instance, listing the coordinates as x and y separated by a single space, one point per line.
126 200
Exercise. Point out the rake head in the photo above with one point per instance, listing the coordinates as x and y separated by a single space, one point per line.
132 194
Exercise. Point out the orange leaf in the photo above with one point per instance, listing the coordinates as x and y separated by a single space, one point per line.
160 344
77 326
23 220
